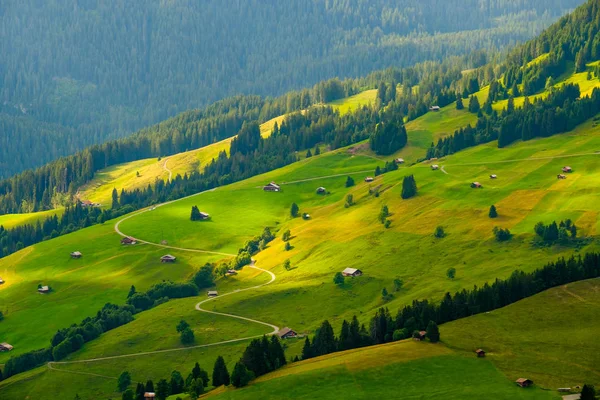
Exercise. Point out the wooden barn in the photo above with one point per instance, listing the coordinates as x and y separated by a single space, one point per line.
476 185
231 272
76 254
435 167
567 169
272 187
493 176
5 347
149 396
44 289
286 333
434 108
399 160
352 272
128 240
168 259
480 353
369 179
561 176
204 216
524 382
1 281
212 293
321 190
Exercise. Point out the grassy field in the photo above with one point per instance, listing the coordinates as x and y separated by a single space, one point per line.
550 338
348 104
9 221
335 237
409 369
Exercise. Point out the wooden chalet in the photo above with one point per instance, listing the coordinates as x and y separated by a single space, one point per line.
128 240
524 382
286 333
369 179
476 185
493 176
212 293
421 336
305 216
44 289
480 353
567 169
76 254
352 272
204 216
561 176
5 347
1 281
321 190
231 272
272 187
399 160
434 108
149 395
435 167
167 258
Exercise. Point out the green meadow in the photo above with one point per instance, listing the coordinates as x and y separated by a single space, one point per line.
335 237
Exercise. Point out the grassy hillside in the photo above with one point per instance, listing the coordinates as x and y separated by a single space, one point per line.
417 370
348 104
9 221
550 338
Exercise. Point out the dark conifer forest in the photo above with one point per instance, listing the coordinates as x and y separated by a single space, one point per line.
77 73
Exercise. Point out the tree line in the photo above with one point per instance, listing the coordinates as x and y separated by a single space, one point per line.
425 315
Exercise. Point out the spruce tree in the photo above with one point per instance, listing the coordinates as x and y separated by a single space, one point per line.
294 209
162 389
139 391
459 103
307 351
176 384
123 381
474 105
240 376
588 392
317 150
338 278
220 374
349 182
308 154
409 187
132 291
433 332
493 213
115 199
127 395
149 386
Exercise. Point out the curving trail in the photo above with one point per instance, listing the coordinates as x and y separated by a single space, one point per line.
168 170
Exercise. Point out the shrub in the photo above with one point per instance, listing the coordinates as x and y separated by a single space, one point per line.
502 235
339 278
439 232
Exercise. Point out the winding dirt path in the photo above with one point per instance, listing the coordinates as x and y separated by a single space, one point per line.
168 170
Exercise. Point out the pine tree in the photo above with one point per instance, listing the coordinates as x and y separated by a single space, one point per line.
474 105
409 187
162 389
349 182
287 235
307 350
115 199
317 150
187 336
324 341
220 374
493 213
127 395
588 392
338 278
287 246
459 104
176 384
139 391
132 291
433 332
240 376
294 209
123 381
149 386
308 154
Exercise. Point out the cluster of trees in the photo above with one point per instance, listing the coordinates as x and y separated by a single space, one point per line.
186 334
564 232
389 137
501 234
425 315
561 111
161 293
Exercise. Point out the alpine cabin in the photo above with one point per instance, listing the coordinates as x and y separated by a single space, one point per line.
5 347
44 289
524 382
168 259
321 190
369 179
352 272
476 185
435 167
76 254
272 187
567 169
434 108
212 293
286 333
128 240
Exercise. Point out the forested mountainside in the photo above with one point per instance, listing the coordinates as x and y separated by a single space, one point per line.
78 73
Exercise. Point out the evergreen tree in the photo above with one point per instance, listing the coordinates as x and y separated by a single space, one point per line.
451 272
317 150
182 325
588 392
287 246
307 350
409 187
287 235
127 395
176 384
220 374
384 294
187 336
308 154
240 376
474 105
384 213
349 181
124 381
162 389
324 341
195 214
459 103
132 291
196 387
115 199
294 209
139 391
433 332
493 213
149 386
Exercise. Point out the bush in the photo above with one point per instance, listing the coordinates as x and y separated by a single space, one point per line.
339 278
502 235
240 376
439 232
203 278
451 273
187 336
